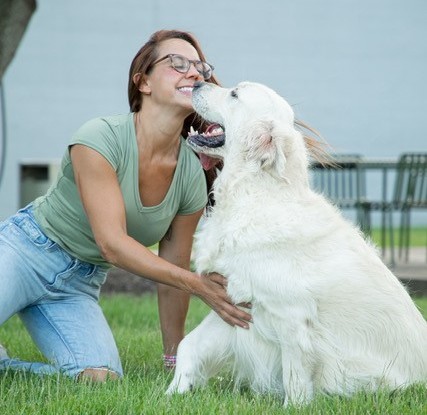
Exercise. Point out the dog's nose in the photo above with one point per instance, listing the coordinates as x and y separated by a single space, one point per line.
198 84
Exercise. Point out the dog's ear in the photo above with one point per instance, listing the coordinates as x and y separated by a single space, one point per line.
260 145
264 146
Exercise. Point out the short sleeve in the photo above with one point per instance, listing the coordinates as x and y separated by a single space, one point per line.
195 194
98 135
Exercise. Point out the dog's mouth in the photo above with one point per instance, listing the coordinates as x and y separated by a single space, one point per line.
213 137
205 144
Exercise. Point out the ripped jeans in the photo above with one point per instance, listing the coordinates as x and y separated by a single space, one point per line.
56 297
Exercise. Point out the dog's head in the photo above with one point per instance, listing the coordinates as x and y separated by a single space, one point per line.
252 123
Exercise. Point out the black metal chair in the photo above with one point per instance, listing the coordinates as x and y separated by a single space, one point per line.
410 192
343 182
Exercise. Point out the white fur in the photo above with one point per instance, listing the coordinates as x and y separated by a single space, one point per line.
328 315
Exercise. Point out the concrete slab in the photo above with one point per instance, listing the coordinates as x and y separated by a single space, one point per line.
414 272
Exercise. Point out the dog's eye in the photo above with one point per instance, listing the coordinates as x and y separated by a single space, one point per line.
233 93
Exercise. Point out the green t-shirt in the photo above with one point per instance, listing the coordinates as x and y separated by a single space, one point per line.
60 212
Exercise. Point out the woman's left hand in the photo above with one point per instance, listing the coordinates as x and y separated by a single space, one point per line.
213 292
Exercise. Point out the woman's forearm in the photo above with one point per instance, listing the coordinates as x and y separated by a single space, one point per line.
173 307
126 253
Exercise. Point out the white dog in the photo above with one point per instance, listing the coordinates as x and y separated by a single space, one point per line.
328 315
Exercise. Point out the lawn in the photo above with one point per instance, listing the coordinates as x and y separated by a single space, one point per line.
418 236
135 324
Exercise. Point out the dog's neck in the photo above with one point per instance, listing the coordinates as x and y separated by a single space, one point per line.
256 183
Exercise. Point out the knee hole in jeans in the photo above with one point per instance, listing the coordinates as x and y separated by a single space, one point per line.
98 374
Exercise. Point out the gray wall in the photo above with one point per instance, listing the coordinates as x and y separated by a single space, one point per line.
353 69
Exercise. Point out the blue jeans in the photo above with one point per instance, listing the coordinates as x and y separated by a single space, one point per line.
56 297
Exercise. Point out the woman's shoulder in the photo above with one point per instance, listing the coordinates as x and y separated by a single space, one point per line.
113 129
112 136
107 122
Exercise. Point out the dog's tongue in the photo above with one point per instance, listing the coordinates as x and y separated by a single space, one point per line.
207 162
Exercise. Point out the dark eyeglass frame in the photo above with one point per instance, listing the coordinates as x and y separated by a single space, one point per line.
203 68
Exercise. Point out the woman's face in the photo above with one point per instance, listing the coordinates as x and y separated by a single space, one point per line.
168 87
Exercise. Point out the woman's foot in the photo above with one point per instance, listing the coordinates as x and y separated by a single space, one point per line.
3 353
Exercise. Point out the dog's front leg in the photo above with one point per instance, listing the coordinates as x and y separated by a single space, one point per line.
297 381
297 375
201 354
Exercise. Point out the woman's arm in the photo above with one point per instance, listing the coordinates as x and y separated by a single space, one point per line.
175 247
103 203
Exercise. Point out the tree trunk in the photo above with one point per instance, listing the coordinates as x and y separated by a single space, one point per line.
14 18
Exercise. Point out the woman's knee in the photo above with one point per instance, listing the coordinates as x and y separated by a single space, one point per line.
98 374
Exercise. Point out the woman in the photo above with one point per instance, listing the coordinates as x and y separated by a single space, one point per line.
126 182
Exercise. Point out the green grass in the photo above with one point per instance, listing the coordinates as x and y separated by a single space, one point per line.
135 324
418 237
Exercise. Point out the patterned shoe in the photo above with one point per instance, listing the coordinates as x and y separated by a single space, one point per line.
3 353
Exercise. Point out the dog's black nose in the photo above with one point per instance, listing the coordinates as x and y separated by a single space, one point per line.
198 84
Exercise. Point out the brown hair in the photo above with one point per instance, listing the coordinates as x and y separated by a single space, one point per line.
142 64
315 143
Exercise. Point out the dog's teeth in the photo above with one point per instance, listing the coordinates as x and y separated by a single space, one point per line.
192 131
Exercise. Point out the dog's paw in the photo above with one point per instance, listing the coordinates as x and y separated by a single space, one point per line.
299 397
180 384
296 401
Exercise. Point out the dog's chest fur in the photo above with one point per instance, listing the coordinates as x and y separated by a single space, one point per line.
232 241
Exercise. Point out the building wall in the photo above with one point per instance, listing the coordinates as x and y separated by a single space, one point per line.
353 69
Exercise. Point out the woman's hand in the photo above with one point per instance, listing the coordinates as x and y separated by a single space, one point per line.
213 292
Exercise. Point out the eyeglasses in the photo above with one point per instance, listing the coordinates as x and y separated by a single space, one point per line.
182 65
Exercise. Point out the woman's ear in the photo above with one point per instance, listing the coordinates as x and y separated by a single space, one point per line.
142 84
